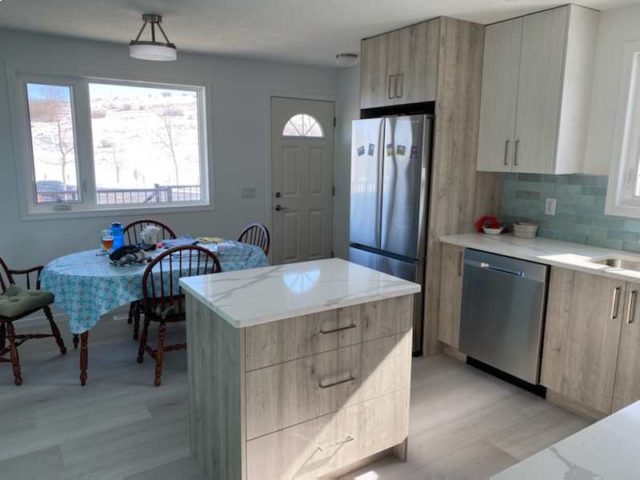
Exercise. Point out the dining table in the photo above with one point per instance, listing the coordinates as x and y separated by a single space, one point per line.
87 285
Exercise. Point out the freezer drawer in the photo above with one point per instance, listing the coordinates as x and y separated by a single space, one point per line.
412 271
501 324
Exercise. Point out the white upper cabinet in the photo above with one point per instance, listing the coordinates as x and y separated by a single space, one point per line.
499 95
535 92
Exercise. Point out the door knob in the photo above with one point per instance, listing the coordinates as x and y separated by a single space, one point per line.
278 195
279 208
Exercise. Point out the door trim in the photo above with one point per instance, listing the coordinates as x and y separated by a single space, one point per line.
294 96
318 97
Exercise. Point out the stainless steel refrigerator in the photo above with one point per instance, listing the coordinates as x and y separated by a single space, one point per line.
390 169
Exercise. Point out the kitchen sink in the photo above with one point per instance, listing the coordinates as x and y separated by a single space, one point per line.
625 263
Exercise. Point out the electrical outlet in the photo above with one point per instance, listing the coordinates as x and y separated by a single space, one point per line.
550 206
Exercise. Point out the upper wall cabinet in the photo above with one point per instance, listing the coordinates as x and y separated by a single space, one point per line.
535 92
400 67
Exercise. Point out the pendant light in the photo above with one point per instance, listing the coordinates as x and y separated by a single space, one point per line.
152 50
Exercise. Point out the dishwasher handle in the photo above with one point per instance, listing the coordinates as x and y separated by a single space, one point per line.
505 266
493 268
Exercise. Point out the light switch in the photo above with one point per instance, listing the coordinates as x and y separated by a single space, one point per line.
248 192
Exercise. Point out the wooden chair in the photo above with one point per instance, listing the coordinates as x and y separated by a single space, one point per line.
132 237
258 235
163 300
132 231
16 303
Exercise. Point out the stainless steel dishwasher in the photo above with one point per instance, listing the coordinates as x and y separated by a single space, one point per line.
503 306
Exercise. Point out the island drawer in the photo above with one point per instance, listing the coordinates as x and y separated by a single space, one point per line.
323 445
293 392
297 337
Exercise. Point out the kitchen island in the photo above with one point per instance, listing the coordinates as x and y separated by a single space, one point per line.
297 371
607 450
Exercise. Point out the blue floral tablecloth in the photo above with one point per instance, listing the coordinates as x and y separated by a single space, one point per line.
87 286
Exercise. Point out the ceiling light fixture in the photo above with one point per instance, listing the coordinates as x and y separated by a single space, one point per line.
152 50
347 59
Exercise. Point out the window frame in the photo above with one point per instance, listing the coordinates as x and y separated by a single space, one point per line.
625 155
83 137
303 136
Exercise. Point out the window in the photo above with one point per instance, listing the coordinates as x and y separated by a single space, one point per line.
104 145
623 194
53 143
303 125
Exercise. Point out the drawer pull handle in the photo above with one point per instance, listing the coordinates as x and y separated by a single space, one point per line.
399 81
506 152
615 304
631 311
339 382
339 329
339 444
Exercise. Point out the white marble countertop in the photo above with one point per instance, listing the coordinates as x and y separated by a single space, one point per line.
261 295
574 256
607 450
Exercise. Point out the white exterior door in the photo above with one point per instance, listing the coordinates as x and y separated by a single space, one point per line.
301 179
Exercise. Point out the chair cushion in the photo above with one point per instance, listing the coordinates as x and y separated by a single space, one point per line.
167 312
16 301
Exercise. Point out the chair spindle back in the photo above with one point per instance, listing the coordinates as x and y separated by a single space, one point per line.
132 231
256 234
160 281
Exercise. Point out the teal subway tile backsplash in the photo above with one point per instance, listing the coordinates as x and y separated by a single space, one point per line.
579 209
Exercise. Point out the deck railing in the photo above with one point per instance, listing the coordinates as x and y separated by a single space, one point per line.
127 196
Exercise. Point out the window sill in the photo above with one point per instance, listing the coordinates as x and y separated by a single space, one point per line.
80 212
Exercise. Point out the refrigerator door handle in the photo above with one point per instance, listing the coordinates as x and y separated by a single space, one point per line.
381 149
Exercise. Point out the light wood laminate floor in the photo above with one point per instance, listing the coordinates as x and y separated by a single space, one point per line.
465 424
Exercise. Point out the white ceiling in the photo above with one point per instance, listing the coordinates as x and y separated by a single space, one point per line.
296 31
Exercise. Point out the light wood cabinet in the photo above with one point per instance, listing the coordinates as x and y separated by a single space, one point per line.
293 338
316 448
374 77
627 384
442 62
451 294
400 67
582 336
300 397
418 63
289 393
535 121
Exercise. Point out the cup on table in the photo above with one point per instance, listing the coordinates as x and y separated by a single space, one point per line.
106 242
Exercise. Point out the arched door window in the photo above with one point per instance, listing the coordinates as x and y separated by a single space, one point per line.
303 125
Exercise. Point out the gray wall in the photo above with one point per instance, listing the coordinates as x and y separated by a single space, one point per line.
238 100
